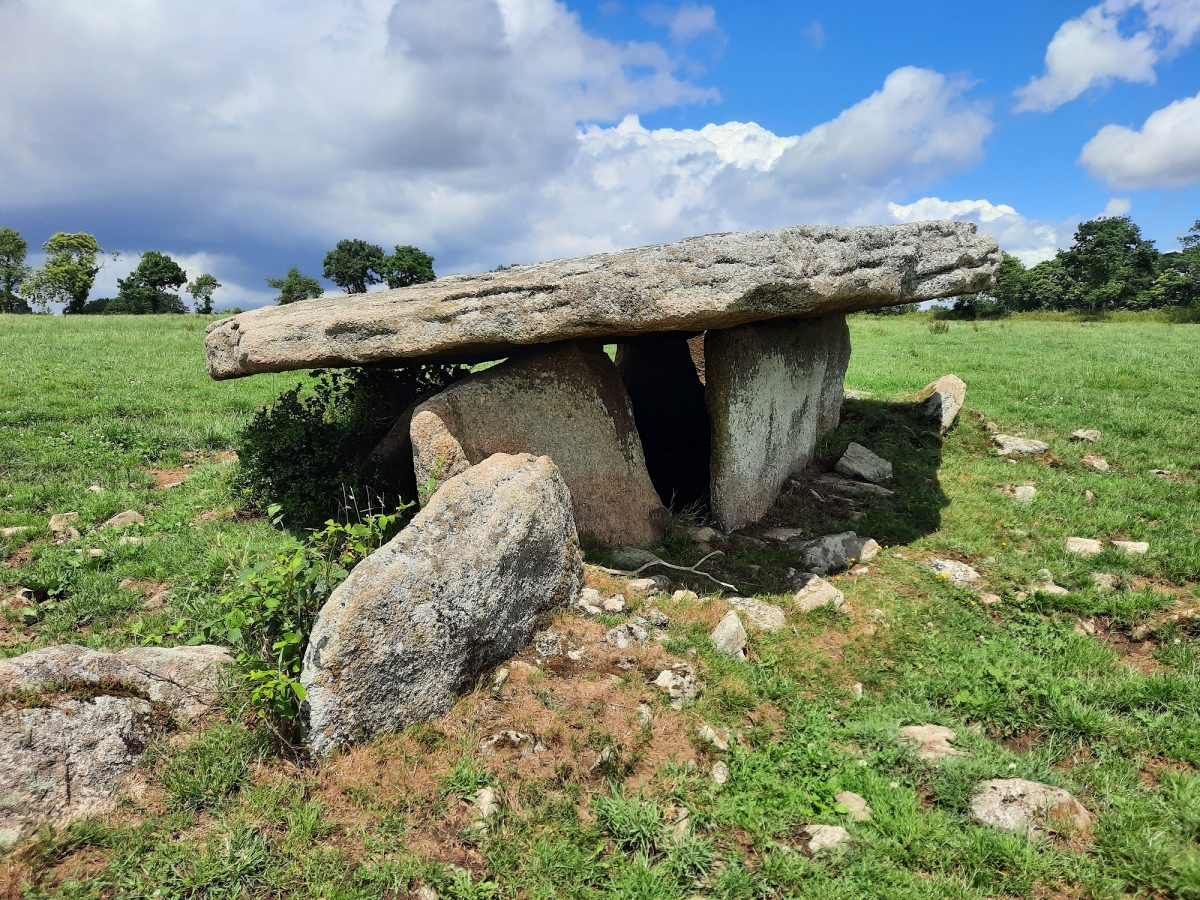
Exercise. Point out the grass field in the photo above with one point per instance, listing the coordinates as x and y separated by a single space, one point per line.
1097 692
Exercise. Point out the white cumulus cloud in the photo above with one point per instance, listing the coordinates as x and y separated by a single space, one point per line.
1164 152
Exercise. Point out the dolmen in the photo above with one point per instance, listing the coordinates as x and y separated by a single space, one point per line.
731 350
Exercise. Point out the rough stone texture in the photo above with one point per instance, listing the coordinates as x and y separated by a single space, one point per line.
1099 463
1024 493
60 522
942 400
712 281
452 595
1007 445
815 592
1132 548
1084 546
696 352
958 572
851 487
184 678
672 420
825 839
67 760
859 462
679 684
930 742
566 403
759 614
772 389
836 552
1088 435
1105 581
857 808
1014 804
125 519
729 637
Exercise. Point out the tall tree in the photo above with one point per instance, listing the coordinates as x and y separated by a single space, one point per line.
354 265
69 272
1178 281
12 270
1112 262
153 287
407 266
201 288
294 286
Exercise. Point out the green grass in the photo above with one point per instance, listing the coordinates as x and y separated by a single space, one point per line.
100 401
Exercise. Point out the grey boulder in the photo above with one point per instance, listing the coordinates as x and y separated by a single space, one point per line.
942 400
836 552
456 592
1015 804
859 462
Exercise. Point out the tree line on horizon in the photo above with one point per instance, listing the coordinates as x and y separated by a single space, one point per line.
73 260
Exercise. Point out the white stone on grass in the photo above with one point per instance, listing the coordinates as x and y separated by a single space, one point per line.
758 614
1132 548
930 742
954 571
857 808
1014 446
1015 804
729 637
815 592
1084 546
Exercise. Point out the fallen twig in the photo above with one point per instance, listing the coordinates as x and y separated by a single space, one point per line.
660 562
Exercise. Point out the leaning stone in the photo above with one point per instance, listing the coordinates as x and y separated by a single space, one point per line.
1132 548
1090 435
565 402
184 679
836 552
125 519
59 523
953 570
930 742
758 614
452 595
815 593
1084 546
729 637
1014 804
942 399
820 839
772 390
709 282
1015 446
857 808
859 462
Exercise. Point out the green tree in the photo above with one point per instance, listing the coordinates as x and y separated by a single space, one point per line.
1113 264
12 271
1178 281
407 266
294 286
354 265
69 273
201 288
153 287
1048 286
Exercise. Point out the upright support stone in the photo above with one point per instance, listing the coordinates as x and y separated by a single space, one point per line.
672 420
567 403
772 390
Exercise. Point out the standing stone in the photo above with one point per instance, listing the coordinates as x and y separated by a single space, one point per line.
452 595
942 399
772 390
668 406
566 403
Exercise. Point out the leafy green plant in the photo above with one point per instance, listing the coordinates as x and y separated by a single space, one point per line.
268 615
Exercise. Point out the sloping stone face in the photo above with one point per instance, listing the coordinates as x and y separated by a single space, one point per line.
567 403
772 390
714 281
455 593
672 419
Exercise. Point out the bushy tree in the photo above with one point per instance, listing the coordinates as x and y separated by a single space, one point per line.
69 272
153 287
295 286
201 288
1112 263
355 265
408 266
12 271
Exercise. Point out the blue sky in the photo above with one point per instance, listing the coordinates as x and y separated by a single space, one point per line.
244 138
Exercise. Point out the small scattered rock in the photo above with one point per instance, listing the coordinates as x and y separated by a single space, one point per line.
1024 493
837 552
1085 626
547 643
1088 435
760 615
1084 546
859 462
815 592
1132 548
125 519
1014 446
717 737
15 530
631 557
1162 473
590 602
1089 496
989 599
658 618
93 552
1099 463
857 808
625 636
614 605
820 839
704 534
1104 581
1046 585
523 743
953 570
1014 804
645 714
679 684
784 535
648 587
425 892
486 803
729 637
498 678
1140 632
95 489
992 427
62 521
831 482
857 689
685 597
931 742
720 772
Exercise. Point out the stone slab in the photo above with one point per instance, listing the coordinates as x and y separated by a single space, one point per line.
713 281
